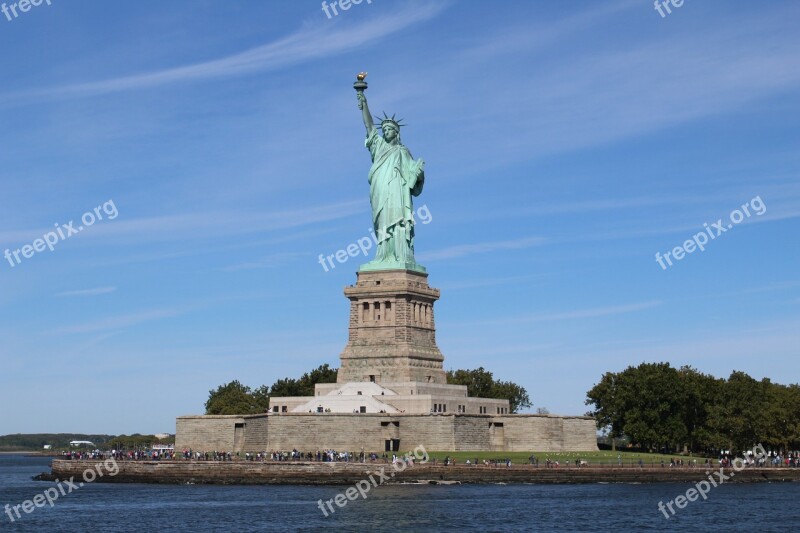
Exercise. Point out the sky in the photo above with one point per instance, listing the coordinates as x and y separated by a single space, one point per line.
566 144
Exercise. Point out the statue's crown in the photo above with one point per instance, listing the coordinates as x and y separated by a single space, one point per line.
397 123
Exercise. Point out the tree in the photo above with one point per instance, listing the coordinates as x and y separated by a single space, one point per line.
655 404
516 395
481 383
608 412
136 442
703 392
236 399
321 374
648 403
286 387
737 417
261 396
305 385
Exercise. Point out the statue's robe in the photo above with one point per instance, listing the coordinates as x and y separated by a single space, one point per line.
393 180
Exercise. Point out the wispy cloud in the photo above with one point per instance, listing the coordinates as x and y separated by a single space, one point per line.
588 206
210 224
462 250
307 44
489 282
88 292
720 353
270 261
776 286
527 36
593 312
589 99
85 348
692 81
118 322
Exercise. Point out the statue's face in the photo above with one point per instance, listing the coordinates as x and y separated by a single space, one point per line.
389 133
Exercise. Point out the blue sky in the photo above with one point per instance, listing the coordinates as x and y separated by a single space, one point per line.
566 143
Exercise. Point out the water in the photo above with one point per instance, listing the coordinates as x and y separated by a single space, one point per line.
484 508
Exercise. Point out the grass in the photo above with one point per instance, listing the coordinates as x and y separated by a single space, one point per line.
593 458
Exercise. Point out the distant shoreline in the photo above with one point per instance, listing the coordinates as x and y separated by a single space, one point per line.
314 473
28 452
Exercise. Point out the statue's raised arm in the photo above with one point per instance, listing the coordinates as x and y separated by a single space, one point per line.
360 86
362 105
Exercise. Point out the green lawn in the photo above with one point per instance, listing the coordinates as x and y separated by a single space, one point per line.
593 458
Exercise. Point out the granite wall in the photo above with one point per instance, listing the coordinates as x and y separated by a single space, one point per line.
370 432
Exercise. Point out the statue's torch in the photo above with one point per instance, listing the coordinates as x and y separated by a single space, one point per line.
360 85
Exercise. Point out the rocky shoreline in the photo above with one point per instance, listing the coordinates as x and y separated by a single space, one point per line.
315 473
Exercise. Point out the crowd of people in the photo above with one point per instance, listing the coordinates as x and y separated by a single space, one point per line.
726 460
120 455
83 455
144 455
324 456
775 459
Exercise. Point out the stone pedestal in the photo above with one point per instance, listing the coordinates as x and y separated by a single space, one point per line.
392 330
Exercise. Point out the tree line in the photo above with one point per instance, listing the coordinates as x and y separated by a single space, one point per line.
60 441
481 384
37 441
660 407
137 442
234 398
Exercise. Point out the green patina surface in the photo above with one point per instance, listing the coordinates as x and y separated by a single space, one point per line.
394 178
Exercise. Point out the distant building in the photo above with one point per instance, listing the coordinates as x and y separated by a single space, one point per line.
81 443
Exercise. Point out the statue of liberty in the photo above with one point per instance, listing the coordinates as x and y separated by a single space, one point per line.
394 178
